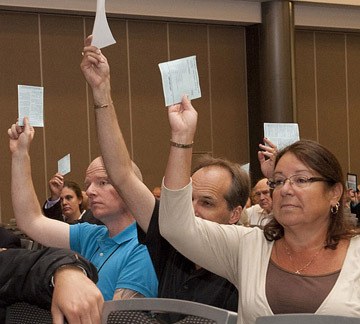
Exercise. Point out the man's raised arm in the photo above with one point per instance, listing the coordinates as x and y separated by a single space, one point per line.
132 190
26 206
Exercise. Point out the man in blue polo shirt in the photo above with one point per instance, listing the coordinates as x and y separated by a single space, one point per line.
124 266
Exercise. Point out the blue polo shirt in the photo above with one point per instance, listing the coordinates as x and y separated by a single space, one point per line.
121 261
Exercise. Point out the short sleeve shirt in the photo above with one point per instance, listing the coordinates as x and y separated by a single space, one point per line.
122 262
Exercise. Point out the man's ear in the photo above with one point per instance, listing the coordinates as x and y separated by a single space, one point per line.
235 215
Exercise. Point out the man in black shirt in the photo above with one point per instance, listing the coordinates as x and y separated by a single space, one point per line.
220 192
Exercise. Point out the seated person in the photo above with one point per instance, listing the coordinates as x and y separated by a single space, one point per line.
305 260
261 213
66 202
52 277
354 203
124 266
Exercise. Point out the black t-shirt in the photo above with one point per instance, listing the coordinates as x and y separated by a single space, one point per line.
177 275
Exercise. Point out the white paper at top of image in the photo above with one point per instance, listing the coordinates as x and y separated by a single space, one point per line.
281 134
180 77
31 105
101 33
246 167
64 165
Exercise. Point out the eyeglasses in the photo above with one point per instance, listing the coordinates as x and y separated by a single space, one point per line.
263 192
299 181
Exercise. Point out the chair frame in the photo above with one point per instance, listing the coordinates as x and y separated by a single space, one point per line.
185 307
306 319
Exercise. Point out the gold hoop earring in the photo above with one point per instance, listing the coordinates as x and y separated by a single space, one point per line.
334 209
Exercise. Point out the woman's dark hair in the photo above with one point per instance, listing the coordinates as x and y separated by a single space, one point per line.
322 161
76 188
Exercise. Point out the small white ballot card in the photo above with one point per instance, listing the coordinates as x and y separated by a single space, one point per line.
64 165
102 35
282 134
180 77
31 105
246 167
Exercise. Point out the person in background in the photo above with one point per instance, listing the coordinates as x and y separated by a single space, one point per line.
260 214
66 202
124 266
354 198
308 243
56 278
222 188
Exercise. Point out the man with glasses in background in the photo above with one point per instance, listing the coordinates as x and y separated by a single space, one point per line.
261 213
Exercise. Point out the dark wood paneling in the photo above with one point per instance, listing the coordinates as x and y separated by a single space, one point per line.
187 40
117 56
331 85
353 59
92 137
305 85
228 93
65 109
148 48
138 95
20 65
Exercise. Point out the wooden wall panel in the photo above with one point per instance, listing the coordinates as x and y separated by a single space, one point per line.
19 39
353 71
327 69
306 114
228 93
186 40
117 56
94 148
331 85
148 48
65 109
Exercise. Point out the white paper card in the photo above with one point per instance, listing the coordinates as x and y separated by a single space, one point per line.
246 167
64 165
31 105
352 181
180 77
101 33
281 134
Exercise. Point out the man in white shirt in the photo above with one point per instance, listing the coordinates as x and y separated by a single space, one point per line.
261 213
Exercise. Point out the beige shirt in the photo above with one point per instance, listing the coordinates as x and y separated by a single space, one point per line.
242 254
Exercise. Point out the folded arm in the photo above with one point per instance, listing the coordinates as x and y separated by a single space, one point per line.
26 275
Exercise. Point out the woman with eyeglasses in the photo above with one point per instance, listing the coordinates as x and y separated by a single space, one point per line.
306 260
